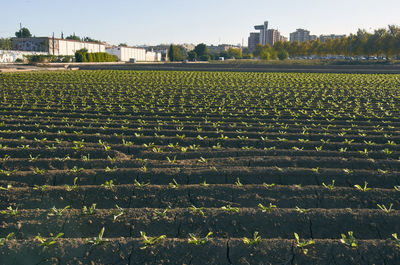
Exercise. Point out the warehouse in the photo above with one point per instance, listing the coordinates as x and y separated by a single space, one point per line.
55 46
129 54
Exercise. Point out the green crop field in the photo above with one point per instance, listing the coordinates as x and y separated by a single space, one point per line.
162 167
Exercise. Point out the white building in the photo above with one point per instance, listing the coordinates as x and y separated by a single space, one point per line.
125 54
55 46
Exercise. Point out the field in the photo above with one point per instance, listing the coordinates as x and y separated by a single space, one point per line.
163 167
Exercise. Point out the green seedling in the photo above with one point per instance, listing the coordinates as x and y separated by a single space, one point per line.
349 240
140 184
91 210
117 212
268 185
194 209
238 183
396 239
40 188
75 170
198 241
73 187
38 171
159 214
386 210
203 160
171 161
4 239
303 245
329 186
228 208
7 188
109 184
10 211
364 189
150 241
300 210
174 184
58 212
97 240
45 243
268 209
205 184
397 188
7 172
252 241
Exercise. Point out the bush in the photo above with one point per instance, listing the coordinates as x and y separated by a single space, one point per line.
19 60
283 55
84 56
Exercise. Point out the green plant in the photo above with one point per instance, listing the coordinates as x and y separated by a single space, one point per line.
265 208
396 239
4 239
303 245
117 212
252 241
386 210
238 183
140 184
268 185
160 213
194 209
300 210
109 184
10 211
7 188
73 187
97 240
91 210
198 241
174 184
329 186
349 240
229 208
58 212
364 189
45 243
149 241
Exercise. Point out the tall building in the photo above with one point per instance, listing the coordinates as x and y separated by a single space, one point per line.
263 38
273 36
253 40
283 39
300 35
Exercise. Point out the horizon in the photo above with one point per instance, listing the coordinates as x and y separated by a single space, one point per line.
138 24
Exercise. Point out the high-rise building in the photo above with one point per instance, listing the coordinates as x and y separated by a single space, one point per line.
263 33
273 36
300 35
283 38
253 40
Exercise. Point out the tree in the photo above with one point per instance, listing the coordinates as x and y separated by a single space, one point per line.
5 44
192 55
123 45
202 52
73 37
88 39
283 55
174 53
23 33
235 53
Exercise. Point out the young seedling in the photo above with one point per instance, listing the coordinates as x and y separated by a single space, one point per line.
91 210
7 188
252 241
364 189
198 241
108 185
194 209
45 243
174 184
268 209
268 185
117 212
386 210
228 208
171 161
238 183
303 245
4 239
397 188
397 239
205 184
97 240
73 187
42 188
349 240
58 212
150 241
329 186
203 160
300 210
140 184
10 211
159 214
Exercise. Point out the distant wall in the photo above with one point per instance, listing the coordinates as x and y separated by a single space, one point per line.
11 56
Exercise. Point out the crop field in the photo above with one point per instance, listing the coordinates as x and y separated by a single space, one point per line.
163 167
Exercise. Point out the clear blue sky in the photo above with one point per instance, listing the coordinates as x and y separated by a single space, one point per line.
186 21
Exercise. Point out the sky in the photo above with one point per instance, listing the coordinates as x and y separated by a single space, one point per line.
186 21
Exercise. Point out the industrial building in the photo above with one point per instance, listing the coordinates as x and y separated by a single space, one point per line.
129 54
55 46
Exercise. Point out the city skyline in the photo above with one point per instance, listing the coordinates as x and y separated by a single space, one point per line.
176 21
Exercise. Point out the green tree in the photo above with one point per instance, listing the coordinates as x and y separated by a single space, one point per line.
283 55
192 55
123 45
235 53
73 37
202 52
175 53
23 33
5 44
